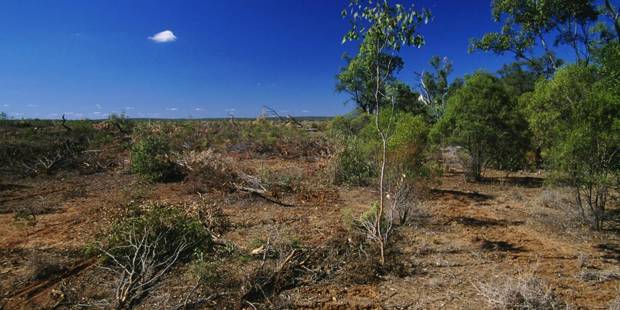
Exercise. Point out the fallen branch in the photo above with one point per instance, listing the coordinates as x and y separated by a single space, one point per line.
263 194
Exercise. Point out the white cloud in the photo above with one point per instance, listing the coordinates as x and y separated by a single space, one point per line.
129 108
5 105
172 109
197 109
305 111
163 37
99 107
32 105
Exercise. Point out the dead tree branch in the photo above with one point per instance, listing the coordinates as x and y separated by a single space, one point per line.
64 123
140 264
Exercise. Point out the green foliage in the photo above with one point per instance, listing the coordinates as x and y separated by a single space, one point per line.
33 147
396 25
527 24
517 79
343 126
205 271
576 120
346 216
483 120
120 122
161 226
260 138
354 161
435 87
408 148
151 158
370 216
25 216
355 164
358 77
406 99
384 30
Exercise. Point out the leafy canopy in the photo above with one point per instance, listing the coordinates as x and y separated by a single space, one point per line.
527 24
392 27
576 118
358 77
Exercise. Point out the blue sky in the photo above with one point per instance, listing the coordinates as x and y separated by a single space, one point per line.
87 59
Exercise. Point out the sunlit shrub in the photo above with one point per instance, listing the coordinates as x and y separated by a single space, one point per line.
151 158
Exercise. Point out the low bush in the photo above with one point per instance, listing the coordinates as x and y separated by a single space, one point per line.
140 249
25 216
151 157
523 292
356 161
210 169
353 165
37 147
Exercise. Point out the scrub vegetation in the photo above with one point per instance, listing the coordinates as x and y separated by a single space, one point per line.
490 190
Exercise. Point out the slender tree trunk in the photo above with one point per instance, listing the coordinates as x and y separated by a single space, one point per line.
381 199
578 202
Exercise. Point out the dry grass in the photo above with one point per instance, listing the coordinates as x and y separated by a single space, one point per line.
599 276
521 292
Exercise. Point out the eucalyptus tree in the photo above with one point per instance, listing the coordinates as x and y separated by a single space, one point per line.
529 24
483 119
384 28
357 78
575 118
518 79
435 87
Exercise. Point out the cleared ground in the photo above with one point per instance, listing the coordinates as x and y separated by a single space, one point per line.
467 237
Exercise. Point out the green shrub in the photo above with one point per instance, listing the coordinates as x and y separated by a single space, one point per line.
151 158
368 218
25 216
485 121
357 161
354 166
166 226
348 125
575 117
